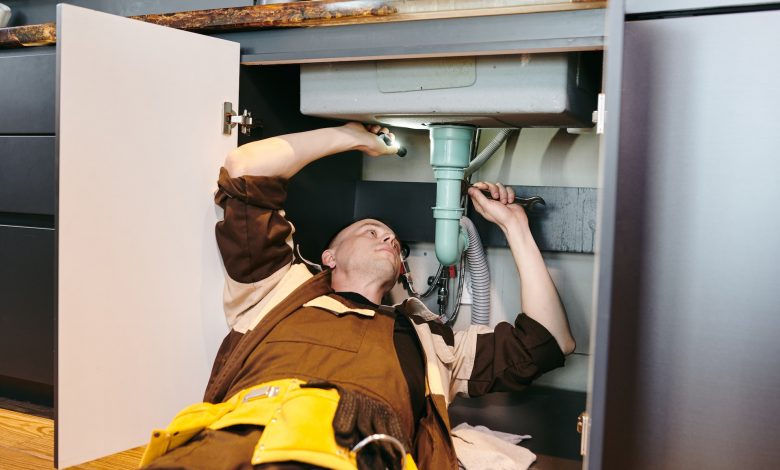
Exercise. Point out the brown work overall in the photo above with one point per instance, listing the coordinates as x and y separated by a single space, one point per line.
311 344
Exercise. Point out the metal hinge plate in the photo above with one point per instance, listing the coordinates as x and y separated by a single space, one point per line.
599 115
232 119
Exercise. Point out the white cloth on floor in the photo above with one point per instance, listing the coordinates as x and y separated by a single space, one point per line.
479 448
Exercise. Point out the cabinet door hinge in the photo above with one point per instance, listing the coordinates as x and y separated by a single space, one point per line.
583 427
600 113
232 119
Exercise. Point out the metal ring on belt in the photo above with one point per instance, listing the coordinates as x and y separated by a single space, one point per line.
382 437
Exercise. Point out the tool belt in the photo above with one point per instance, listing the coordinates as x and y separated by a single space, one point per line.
297 425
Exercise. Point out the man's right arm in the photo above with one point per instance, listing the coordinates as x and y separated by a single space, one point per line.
255 239
286 155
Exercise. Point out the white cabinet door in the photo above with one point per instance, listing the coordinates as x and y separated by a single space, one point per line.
139 277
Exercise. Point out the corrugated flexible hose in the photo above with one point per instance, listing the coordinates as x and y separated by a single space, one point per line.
476 261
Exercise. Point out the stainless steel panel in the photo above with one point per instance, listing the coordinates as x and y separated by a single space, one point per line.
539 90
27 305
599 400
696 253
27 175
27 92
647 6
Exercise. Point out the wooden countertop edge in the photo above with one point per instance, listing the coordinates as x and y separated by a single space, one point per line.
287 15
476 12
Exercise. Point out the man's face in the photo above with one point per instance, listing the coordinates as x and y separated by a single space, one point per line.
369 248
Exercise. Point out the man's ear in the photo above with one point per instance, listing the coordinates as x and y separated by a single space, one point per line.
328 259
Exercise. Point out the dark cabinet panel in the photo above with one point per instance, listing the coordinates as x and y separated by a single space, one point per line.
27 175
320 197
27 304
27 83
547 414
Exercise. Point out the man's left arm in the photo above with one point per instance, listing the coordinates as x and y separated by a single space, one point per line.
539 297
511 355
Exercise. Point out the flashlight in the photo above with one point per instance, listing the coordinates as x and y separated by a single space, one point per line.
386 138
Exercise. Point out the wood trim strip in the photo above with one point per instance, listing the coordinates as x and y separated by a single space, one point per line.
28 36
221 19
287 15
271 16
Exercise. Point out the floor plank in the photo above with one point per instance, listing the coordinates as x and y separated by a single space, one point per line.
26 435
121 461
15 460
27 443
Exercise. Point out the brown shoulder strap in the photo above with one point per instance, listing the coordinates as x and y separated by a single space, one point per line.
219 385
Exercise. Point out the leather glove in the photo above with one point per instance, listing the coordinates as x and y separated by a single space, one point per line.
359 416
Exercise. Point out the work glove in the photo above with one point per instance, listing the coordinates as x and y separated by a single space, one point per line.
359 416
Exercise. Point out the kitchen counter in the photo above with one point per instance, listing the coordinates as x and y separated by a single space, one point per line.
310 13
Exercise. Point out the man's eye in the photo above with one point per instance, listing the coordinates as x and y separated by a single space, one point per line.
373 233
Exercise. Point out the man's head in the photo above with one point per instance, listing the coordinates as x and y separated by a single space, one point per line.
365 250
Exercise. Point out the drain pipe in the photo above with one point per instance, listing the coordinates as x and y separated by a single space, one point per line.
450 152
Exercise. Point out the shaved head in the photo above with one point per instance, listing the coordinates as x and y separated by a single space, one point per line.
340 234
365 251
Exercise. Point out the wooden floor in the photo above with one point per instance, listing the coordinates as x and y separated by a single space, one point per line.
27 441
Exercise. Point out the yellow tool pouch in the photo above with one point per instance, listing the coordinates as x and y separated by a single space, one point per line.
254 405
301 430
297 422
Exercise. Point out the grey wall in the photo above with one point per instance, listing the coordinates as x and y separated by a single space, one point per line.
25 12
646 6
695 291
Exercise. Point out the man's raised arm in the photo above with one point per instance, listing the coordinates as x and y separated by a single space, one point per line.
539 297
286 155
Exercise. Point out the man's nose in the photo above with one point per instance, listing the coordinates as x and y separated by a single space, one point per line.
390 239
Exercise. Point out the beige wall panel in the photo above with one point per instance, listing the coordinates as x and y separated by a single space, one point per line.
139 275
